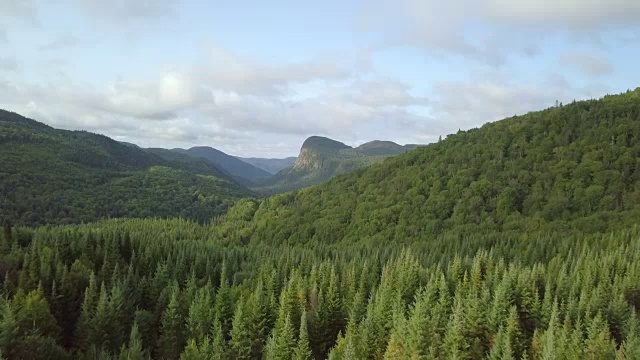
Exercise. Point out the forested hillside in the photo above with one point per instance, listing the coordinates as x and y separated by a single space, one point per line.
517 240
50 176
271 166
564 168
134 289
322 158
239 170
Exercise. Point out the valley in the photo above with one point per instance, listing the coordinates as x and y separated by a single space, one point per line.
517 239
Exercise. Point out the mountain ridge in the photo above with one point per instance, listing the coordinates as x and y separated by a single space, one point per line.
270 165
55 176
565 168
239 170
322 158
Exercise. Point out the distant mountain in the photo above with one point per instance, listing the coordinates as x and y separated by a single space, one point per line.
271 166
239 170
571 169
51 176
182 160
129 144
322 158
383 148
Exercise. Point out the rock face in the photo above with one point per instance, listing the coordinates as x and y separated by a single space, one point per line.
308 159
315 150
322 158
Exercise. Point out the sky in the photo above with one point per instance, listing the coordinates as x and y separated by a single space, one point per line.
255 78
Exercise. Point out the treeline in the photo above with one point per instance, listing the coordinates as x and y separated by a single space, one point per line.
574 167
167 289
50 176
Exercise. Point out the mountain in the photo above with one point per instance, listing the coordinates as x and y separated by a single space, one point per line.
568 168
516 240
322 158
56 176
129 144
388 148
239 170
271 166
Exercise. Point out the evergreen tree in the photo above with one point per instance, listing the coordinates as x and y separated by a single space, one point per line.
101 322
84 326
303 349
134 350
281 344
455 345
224 303
395 349
598 343
9 329
200 315
193 351
241 335
171 340
219 346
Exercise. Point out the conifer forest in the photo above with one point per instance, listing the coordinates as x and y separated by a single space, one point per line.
515 240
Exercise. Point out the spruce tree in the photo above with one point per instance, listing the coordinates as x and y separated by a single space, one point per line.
303 349
224 308
134 350
455 345
219 346
9 329
171 340
241 335
281 344
83 331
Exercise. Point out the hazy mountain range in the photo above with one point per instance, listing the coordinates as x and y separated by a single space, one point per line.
59 176
322 158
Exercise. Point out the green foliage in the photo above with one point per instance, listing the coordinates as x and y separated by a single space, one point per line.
50 176
321 159
239 170
409 259
562 169
415 304
271 166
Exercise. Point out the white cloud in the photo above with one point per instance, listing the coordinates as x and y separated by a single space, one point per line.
490 31
160 99
18 9
61 42
590 64
8 64
234 102
384 92
124 11
581 14
493 96
224 70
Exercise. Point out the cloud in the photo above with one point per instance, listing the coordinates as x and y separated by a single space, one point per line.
225 70
491 31
18 9
590 64
338 110
160 99
229 101
8 64
576 14
384 92
493 96
125 11
62 42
